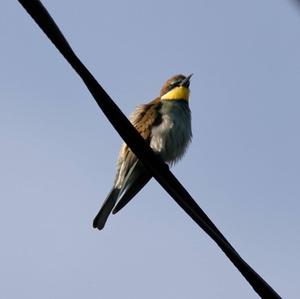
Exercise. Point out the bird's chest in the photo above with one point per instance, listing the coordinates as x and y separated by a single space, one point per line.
171 137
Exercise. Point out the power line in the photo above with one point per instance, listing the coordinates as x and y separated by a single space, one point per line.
156 166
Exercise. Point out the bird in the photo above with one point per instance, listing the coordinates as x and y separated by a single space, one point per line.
165 124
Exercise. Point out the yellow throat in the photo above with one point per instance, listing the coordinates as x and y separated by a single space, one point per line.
177 93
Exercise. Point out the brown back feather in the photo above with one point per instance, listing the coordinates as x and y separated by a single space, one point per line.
143 119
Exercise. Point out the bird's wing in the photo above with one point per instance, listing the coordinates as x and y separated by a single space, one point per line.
136 179
145 117
136 175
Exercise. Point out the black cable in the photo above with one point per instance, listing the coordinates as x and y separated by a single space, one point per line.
158 168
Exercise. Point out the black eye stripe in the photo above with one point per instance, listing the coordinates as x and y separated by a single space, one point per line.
174 84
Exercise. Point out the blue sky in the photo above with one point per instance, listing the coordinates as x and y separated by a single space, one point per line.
58 151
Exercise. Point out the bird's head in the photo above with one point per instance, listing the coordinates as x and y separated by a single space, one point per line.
176 88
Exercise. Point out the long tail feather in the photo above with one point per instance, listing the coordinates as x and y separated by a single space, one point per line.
136 179
106 209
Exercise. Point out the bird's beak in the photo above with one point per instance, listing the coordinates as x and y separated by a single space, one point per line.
186 81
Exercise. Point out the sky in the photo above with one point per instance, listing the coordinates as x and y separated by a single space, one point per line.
58 151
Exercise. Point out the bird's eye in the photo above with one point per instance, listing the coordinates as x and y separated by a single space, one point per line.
174 84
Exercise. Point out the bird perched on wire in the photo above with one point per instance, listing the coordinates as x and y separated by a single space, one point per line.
165 123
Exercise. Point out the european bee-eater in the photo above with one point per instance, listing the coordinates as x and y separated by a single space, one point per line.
165 123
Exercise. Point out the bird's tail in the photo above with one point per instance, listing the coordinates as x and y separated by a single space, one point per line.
106 208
